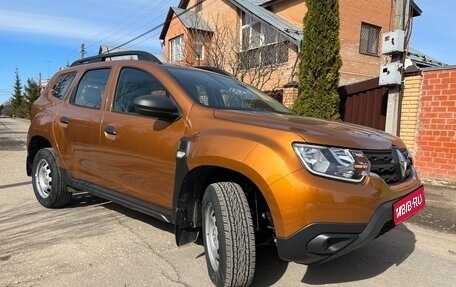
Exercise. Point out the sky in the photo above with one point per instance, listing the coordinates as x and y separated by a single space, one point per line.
40 37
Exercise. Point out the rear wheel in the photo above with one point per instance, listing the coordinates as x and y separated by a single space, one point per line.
47 182
228 235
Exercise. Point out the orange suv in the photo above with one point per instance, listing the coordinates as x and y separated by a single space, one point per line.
217 158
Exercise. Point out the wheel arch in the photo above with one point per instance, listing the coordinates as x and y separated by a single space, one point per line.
35 144
188 200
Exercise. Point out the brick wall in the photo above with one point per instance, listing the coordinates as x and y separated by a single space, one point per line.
290 94
409 111
435 149
358 67
293 11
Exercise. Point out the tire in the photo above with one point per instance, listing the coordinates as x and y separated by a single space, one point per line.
47 182
228 235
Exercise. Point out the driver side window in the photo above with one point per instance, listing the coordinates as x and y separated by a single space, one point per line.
132 84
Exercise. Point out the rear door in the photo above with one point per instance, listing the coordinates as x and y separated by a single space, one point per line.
138 153
77 125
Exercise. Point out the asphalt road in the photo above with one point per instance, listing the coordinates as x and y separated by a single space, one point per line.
98 243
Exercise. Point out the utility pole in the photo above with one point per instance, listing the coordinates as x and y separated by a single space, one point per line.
401 22
83 51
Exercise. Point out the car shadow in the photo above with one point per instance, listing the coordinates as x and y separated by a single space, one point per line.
269 267
391 249
371 260
80 199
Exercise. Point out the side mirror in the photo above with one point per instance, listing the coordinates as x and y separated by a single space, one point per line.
158 106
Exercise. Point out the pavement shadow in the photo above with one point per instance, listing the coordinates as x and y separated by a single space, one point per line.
157 223
371 260
269 267
15 184
81 198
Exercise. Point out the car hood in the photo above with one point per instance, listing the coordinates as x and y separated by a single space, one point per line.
316 131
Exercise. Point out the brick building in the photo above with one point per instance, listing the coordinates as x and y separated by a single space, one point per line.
262 34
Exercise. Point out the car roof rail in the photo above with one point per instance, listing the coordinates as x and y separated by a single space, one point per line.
215 70
141 55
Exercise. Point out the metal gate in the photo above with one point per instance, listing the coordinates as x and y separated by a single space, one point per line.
364 104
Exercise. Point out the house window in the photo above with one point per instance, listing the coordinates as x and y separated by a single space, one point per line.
368 43
176 46
198 5
198 50
251 32
261 44
198 46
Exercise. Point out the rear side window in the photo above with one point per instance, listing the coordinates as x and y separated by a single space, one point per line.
91 89
132 84
61 86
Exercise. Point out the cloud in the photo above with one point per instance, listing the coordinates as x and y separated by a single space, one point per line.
39 24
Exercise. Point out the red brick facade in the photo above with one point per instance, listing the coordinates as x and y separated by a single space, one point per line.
356 66
435 150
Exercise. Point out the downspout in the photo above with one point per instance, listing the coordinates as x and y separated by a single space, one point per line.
298 55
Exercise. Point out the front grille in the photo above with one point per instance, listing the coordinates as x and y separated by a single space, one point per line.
387 164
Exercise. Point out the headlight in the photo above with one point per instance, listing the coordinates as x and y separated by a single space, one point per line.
337 163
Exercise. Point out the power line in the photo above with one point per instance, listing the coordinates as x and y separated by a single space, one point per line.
117 27
131 27
150 30
160 25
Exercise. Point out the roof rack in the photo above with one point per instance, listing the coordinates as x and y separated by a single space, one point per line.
145 56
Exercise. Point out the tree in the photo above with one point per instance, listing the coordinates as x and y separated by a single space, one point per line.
320 61
18 102
6 110
31 93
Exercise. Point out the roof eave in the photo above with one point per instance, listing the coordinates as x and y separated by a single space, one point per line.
165 28
296 40
416 10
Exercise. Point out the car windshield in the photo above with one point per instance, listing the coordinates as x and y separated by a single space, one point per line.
222 92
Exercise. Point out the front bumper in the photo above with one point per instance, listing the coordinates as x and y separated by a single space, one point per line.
320 242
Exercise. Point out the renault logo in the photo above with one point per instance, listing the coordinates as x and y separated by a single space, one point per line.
402 162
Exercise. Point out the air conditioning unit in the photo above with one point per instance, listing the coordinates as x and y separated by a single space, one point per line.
393 42
390 74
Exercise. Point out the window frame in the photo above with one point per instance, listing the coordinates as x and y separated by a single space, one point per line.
173 44
81 79
66 88
266 43
118 82
364 46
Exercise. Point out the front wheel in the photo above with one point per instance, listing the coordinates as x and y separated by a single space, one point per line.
48 185
228 235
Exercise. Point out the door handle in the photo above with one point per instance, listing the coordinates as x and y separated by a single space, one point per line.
110 130
64 120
